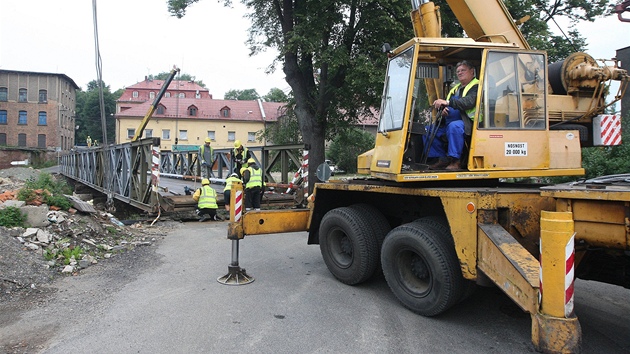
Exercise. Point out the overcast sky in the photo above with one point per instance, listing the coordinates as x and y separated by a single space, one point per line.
139 37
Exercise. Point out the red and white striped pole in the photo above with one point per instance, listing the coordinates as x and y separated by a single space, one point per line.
557 268
155 168
305 172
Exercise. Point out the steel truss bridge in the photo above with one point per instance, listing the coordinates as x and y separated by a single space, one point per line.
131 172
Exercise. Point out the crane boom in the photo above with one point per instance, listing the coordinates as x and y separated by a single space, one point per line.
153 106
488 21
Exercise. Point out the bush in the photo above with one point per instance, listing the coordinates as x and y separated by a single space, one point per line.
45 189
58 201
12 216
347 146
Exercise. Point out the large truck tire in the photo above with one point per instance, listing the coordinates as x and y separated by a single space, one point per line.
378 228
377 222
348 246
421 269
440 224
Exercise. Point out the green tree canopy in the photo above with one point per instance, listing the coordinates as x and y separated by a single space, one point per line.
330 55
242 95
88 113
276 95
347 146
181 77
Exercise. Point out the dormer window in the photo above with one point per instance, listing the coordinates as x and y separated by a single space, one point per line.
225 112
134 94
192 111
160 109
151 95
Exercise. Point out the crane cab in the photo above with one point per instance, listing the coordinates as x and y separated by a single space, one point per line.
510 135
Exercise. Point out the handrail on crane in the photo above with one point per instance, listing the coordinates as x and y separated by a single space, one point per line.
621 8
153 106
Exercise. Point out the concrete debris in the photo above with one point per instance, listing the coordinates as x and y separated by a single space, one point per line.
57 241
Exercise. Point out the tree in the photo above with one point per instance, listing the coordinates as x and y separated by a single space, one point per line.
348 145
276 95
330 55
285 131
242 95
181 77
89 113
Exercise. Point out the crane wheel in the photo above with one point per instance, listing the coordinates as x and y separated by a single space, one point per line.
440 224
422 268
348 246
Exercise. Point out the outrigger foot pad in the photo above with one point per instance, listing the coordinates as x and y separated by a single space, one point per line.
235 276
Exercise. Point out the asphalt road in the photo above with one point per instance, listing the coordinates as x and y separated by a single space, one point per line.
175 305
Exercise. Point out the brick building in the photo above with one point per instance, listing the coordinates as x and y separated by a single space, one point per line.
187 114
37 110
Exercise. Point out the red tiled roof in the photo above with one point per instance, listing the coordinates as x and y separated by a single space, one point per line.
208 109
187 87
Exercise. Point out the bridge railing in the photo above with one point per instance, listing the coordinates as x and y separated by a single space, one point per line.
124 171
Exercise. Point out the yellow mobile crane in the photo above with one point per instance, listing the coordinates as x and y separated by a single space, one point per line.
435 233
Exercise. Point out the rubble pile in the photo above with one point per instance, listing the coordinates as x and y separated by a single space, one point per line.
59 242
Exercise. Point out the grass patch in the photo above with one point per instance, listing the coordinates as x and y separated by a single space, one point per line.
11 217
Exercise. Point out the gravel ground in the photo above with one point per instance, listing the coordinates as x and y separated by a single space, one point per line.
27 280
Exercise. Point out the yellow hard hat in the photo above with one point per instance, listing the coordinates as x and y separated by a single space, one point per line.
237 143
208 140
205 181
251 161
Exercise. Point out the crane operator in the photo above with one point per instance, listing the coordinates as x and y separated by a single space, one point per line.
458 111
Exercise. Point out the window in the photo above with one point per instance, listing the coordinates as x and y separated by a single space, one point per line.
508 101
192 111
41 120
182 95
396 92
166 134
251 136
148 133
168 94
22 96
211 134
41 140
3 94
151 95
130 133
22 117
134 94
3 139
231 136
3 117
183 135
43 96
225 112
21 139
160 109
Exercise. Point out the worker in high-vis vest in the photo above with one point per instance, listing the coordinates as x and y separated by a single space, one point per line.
206 198
458 112
227 190
240 156
253 180
205 156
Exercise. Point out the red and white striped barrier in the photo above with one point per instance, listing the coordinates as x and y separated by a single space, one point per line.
155 167
295 179
569 276
238 205
305 171
606 130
